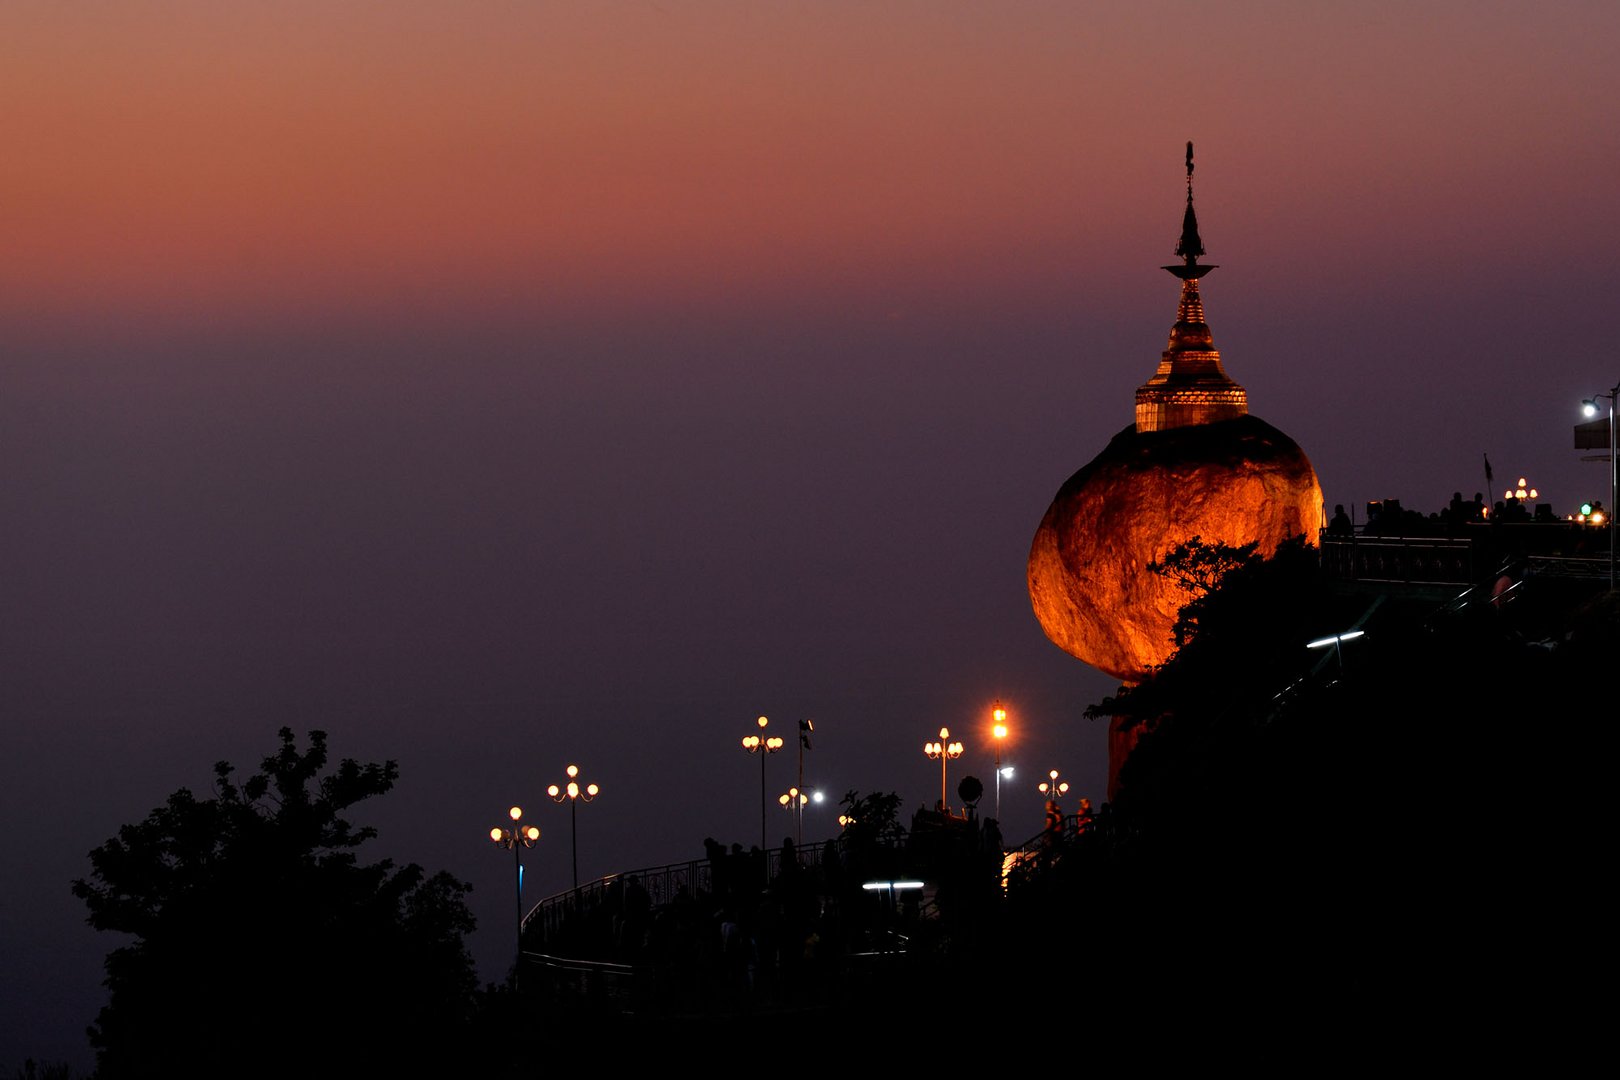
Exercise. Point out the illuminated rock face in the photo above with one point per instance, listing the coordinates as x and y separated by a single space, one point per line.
1234 481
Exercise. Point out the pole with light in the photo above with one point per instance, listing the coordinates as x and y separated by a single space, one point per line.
999 730
794 802
573 794
1591 409
1337 641
517 837
1052 788
761 745
943 750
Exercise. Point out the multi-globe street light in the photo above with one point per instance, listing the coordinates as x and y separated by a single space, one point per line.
794 802
1521 493
573 794
761 744
944 750
517 837
1052 788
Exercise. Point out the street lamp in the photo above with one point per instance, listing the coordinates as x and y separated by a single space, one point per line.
1051 788
1517 496
517 837
1614 469
573 793
999 730
1337 641
794 802
944 751
761 745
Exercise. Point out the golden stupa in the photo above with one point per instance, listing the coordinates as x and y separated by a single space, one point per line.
1194 464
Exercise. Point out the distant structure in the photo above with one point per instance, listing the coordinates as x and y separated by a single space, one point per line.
1194 464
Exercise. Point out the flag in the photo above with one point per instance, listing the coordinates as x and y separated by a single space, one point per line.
1489 479
805 728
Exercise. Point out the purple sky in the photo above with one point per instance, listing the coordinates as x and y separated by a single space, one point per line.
496 388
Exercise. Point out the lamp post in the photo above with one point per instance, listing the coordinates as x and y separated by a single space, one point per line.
1517 496
761 745
1337 641
794 802
573 793
1614 469
944 751
517 837
1052 788
999 730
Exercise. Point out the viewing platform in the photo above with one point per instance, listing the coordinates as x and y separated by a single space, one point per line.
1466 554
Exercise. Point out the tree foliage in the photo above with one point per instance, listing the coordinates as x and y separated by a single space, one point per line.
1243 630
874 818
259 935
1198 569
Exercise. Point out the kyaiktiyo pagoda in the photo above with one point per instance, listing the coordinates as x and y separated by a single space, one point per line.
1195 463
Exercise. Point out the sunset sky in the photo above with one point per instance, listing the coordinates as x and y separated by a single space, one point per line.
497 385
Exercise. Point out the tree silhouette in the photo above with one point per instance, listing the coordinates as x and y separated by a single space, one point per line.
1242 635
262 944
1198 569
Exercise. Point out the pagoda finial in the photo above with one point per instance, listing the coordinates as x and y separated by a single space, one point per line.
1191 245
1190 386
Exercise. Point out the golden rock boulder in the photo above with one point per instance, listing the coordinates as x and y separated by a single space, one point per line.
1233 481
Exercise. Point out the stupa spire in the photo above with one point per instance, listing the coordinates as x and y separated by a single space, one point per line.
1190 386
1191 245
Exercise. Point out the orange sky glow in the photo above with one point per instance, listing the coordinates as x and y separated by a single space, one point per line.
294 157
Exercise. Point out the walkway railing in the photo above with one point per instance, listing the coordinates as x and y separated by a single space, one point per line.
1409 560
660 884
1472 554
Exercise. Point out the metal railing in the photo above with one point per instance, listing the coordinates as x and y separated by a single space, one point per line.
655 886
1556 549
1408 560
